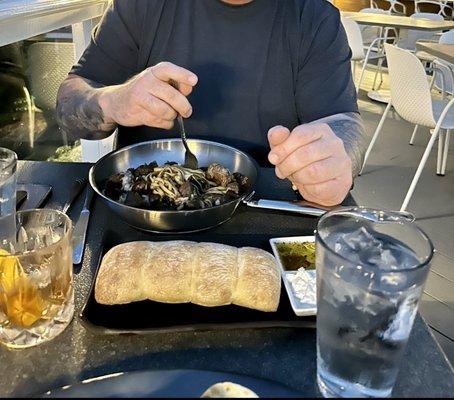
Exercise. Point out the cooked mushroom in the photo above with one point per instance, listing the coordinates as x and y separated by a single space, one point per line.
233 187
175 187
145 169
243 181
219 174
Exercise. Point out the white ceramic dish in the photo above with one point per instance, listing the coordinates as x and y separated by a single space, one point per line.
300 307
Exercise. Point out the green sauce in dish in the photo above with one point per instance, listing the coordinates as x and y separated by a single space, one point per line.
296 255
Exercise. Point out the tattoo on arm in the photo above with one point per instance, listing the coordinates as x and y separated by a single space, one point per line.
78 112
350 128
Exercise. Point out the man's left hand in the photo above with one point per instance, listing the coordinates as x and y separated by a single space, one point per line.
314 159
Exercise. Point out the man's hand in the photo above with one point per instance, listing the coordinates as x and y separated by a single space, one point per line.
314 159
148 98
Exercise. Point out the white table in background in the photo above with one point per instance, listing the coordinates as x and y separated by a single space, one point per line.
396 22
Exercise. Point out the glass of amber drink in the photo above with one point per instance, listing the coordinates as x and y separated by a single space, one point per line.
36 291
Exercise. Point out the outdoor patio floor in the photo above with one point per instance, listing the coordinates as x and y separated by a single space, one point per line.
384 183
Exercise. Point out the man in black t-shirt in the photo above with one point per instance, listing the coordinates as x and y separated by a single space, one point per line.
272 78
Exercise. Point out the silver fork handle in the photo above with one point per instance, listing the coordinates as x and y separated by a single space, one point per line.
182 130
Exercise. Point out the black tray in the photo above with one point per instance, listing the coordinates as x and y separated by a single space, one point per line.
150 316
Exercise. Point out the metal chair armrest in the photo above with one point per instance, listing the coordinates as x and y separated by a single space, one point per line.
441 68
444 114
438 70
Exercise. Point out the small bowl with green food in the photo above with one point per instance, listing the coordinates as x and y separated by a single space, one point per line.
296 260
295 255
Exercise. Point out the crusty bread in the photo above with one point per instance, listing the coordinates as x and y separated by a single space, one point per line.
119 279
229 390
208 274
257 277
215 274
166 275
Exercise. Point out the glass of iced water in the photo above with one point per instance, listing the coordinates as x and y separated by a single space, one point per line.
36 291
371 270
8 162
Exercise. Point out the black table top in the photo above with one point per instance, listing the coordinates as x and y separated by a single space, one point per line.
280 354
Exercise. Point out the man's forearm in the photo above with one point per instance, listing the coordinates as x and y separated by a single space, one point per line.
350 128
78 111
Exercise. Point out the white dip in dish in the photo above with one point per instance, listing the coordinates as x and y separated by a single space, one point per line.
304 286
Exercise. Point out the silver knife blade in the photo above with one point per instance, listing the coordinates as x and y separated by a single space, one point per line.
80 232
300 207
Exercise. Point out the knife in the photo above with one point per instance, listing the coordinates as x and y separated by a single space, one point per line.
297 206
80 230
76 190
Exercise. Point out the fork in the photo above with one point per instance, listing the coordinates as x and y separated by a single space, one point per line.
76 189
190 160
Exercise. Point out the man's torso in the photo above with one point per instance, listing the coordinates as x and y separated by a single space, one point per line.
248 59
244 62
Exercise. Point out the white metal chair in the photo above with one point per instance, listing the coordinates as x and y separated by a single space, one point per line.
396 7
375 51
370 33
443 75
409 37
408 40
411 98
444 71
445 9
373 4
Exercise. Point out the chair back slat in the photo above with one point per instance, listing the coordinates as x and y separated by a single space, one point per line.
444 8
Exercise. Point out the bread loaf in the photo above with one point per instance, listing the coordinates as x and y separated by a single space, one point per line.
229 390
167 271
208 274
215 274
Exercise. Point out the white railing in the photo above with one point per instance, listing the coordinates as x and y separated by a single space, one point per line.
23 19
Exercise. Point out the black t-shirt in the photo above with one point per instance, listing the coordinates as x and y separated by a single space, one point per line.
266 63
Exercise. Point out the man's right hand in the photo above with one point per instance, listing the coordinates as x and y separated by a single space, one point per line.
148 98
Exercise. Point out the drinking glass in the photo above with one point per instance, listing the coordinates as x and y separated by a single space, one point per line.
371 269
8 162
36 291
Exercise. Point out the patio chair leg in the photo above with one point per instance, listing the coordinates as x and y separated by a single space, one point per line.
374 138
375 79
440 151
421 166
381 74
445 153
413 136
363 70
378 71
